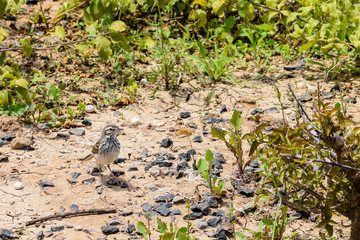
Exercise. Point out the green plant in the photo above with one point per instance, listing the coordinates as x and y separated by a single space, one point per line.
316 163
234 142
205 167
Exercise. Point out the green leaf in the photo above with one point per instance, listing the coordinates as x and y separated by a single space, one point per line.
142 229
199 16
202 3
163 3
267 221
104 48
3 4
169 236
24 93
209 156
218 133
161 226
4 98
118 37
2 58
236 120
26 45
306 46
202 165
3 33
218 7
18 109
59 32
221 184
181 235
118 26
249 12
19 83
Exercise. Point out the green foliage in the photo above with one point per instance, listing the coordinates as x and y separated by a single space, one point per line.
315 159
205 167
234 141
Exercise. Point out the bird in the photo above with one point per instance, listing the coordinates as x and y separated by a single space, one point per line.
107 148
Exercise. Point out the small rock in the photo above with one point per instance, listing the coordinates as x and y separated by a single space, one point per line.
223 108
160 199
146 207
87 122
78 228
118 172
69 226
191 125
305 98
57 228
202 224
8 137
169 204
116 222
164 211
89 231
18 185
246 192
4 158
328 95
350 100
257 111
213 222
205 132
169 197
185 156
193 216
184 114
89 108
3 143
44 126
109 229
20 143
272 109
32 2
63 135
296 215
40 235
132 169
131 228
254 163
211 200
198 139
313 217
183 165
7 234
74 207
89 180
166 142
48 233
175 211
203 207
46 184
135 120
247 207
178 199
77 131
127 214
75 175
120 160
219 157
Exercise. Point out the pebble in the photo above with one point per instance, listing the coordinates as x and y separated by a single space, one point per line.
313 217
254 163
18 185
75 175
185 156
336 87
160 199
203 207
257 111
86 122
175 211
40 235
63 135
169 197
57 228
7 234
193 216
246 192
183 165
296 215
77 131
2 143
89 180
132 169
184 114
89 108
211 200
8 137
166 142
118 172
46 184
223 108
162 210
74 207
78 228
48 233
328 95
272 109
116 222
247 207
213 222
350 100
202 224
109 229
4 158
305 98
20 143
135 120
198 139
44 126
178 199
89 231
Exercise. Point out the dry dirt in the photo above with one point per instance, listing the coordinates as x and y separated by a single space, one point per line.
54 160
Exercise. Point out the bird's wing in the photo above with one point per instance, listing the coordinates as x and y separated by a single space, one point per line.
95 148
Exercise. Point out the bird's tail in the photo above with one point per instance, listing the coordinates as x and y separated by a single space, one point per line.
87 158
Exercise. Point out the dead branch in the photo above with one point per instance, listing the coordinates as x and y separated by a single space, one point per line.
72 214
67 11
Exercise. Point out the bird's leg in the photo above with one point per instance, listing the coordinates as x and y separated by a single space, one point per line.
102 184
112 174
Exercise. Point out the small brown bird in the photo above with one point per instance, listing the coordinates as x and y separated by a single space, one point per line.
107 148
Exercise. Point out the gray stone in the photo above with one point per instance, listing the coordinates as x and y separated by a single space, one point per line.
202 224
48 233
146 207
254 163
63 135
183 165
213 222
296 215
118 172
328 95
116 222
77 131
223 108
178 199
305 98
247 207
132 169
7 234
160 199
74 207
184 114
175 211
219 157
169 197
44 126
350 100
211 200
2 143
109 229
46 184
162 210
89 231
198 139
272 109
86 122
57 228
78 228
313 217
40 235
8 137
203 207
185 156
89 180
257 111
193 216
75 175
246 192
166 142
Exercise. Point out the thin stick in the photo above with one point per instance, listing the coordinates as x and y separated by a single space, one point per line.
45 48
72 214
67 11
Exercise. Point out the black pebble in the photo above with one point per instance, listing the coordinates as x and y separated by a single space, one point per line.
109 229
63 135
336 87
223 108
46 184
198 139
86 122
166 142
8 137
184 114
